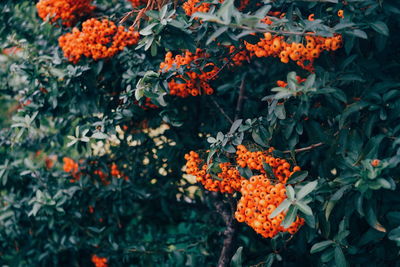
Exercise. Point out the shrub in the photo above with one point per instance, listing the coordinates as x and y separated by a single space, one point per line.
199 133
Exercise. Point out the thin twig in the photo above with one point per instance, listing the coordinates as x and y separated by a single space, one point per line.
221 110
304 148
239 104
226 63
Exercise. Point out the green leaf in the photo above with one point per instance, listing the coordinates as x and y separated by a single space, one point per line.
358 33
371 218
290 217
297 177
282 207
380 27
394 235
205 16
215 35
270 260
280 112
290 193
355 107
310 81
320 246
235 125
340 259
211 140
237 258
257 138
307 189
304 208
148 29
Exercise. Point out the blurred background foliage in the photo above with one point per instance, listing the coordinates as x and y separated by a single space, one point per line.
158 216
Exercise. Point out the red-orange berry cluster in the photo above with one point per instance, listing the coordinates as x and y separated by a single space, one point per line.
193 82
243 4
303 54
99 261
255 160
261 194
114 172
259 199
72 167
147 104
138 3
192 6
11 50
97 40
227 181
238 57
68 11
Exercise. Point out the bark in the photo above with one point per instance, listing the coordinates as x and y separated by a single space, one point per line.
226 212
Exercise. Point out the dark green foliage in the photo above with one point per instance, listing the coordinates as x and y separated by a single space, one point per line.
334 125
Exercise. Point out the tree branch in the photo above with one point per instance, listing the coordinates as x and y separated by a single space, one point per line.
304 148
239 104
226 63
221 110
230 231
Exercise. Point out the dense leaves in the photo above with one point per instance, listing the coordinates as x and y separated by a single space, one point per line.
124 195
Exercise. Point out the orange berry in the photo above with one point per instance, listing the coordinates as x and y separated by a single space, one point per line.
375 162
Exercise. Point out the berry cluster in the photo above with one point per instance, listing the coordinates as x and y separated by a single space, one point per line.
303 54
11 51
68 11
227 181
259 199
256 160
114 172
261 194
147 104
99 261
238 57
192 6
72 167
138 3
192 82
97 40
